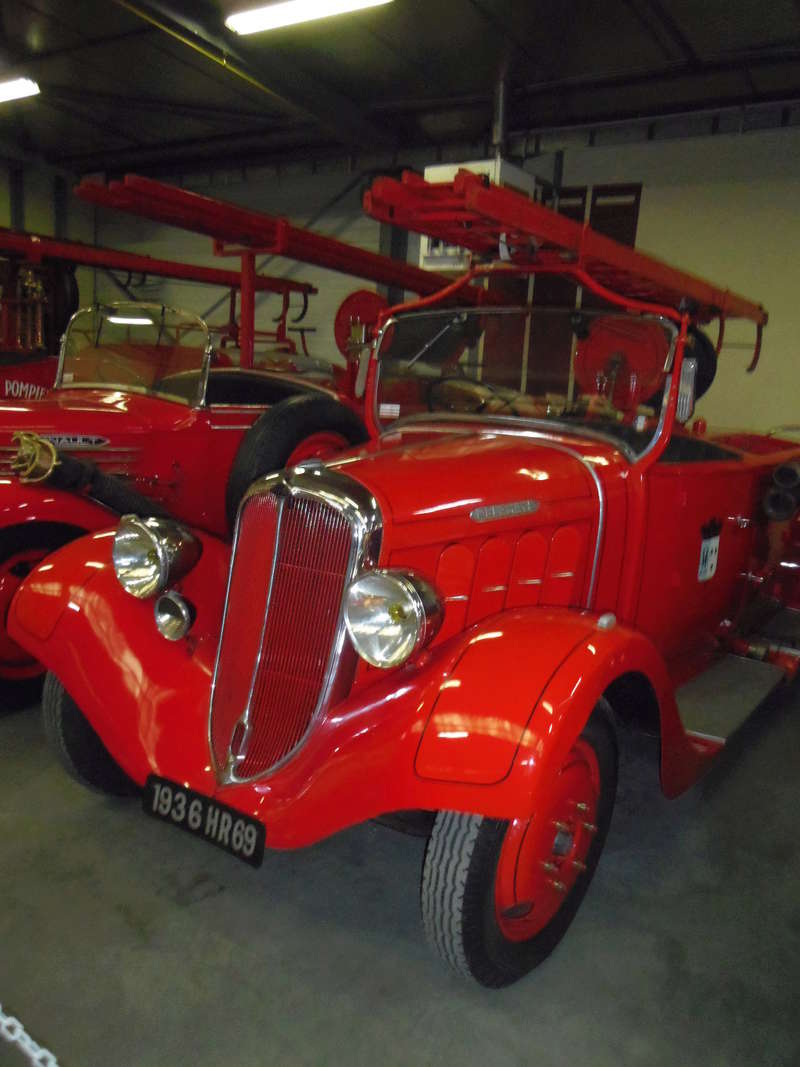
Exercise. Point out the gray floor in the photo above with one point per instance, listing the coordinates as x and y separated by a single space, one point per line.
123 942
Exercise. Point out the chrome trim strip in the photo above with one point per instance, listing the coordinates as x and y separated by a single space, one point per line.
563 574
363 514
530 581
453 599
497 512
494 588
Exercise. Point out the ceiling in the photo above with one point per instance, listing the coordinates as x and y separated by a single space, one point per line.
161 87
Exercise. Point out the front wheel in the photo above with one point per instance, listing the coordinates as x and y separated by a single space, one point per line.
498 896
21 549
79 750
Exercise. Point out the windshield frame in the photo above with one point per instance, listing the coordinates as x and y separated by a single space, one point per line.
120 305
523 422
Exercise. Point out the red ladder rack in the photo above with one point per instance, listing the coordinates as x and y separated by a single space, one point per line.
483 218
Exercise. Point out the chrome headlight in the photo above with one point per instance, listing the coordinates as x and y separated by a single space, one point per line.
150 554
390 615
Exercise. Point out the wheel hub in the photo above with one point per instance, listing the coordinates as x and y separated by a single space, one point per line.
543 857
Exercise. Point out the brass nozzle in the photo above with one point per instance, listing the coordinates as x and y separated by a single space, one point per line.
36 457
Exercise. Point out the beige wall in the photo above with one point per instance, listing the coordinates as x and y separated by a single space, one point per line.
728 208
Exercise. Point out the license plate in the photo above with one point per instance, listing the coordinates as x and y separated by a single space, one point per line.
204 817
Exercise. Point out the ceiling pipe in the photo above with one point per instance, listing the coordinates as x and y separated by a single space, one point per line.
286 87
500 113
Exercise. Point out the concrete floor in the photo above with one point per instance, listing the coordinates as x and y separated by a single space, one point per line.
123 942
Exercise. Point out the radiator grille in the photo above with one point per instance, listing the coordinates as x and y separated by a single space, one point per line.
283 614
247 604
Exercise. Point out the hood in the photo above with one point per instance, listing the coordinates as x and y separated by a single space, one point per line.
92 412
449 475
107 427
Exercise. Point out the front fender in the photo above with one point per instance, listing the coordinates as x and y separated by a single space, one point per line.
22 504
478 718
523 689
146 697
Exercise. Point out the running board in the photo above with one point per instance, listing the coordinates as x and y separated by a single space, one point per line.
716 703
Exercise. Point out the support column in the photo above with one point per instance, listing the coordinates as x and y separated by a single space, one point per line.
247 309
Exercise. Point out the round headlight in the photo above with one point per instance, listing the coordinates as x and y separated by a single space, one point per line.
174 616
390 615
149 554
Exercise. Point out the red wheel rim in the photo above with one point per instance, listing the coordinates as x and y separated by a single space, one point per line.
542 858
15 663
317 446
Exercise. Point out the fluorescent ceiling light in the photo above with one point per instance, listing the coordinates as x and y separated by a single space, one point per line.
129 320
289 12
17 88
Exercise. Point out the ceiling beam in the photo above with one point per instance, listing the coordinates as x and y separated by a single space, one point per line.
159 105
673 30
282 82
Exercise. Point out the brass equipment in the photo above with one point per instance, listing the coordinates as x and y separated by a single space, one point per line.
36 457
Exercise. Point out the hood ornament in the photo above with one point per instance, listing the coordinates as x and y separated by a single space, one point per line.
36 457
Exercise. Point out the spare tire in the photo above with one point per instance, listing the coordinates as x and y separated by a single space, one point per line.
294 430
699 345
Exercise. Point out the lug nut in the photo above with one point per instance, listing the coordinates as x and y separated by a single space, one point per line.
579 865
558 886
590 827
549 867
560 825
581 806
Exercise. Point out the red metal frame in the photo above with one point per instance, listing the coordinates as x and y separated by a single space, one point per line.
239 231
476 215
35 249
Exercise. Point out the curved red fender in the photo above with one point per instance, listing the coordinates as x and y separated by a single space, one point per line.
603 657
146 697
524 688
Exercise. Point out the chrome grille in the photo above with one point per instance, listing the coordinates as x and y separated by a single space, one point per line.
300 539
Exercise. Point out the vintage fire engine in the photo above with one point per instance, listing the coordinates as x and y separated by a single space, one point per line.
186 418
533 555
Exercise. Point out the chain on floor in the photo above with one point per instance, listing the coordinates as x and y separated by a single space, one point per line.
14 1032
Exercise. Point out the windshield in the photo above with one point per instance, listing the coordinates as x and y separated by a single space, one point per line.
142 348
596 372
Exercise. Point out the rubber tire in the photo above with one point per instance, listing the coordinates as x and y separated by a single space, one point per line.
14 696
457 893
704 350
273 437
79 750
